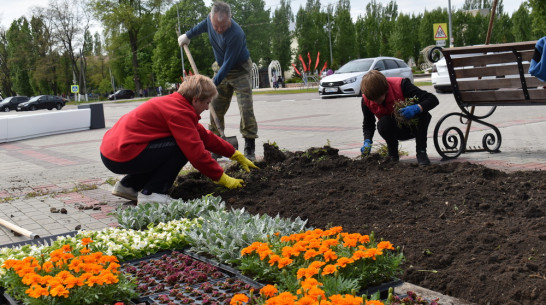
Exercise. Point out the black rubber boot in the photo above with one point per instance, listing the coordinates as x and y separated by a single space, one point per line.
250 148
422 158
392 152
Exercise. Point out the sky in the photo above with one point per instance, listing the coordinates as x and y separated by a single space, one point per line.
13 9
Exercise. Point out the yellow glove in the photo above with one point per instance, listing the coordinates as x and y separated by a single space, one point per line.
230 183
243 161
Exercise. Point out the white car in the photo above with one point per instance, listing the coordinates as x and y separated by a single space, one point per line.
346 81
439 77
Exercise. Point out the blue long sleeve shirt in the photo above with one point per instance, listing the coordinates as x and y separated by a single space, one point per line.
229 48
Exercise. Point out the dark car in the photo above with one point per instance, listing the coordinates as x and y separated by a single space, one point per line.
11 103
121 94
43 102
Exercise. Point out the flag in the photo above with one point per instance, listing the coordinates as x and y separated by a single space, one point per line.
303 63
325 65
316 63
296 69
309 57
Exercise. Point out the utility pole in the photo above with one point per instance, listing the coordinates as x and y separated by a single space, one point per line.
330 35
451 40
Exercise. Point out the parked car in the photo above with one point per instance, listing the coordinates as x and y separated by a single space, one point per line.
122 94
10 103
43 102
346 81
439 76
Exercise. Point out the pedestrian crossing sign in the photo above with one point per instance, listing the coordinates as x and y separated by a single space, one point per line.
440 31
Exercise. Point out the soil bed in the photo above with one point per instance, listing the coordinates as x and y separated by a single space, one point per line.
466 230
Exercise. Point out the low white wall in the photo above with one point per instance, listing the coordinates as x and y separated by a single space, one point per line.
31 125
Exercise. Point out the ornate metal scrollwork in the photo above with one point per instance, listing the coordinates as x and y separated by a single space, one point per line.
453 142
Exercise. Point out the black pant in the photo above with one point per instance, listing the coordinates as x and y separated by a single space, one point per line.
154 169
392 133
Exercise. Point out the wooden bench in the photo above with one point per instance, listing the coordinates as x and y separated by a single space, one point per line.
488 75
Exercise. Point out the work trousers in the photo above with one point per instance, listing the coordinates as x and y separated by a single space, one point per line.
154 169
239 80
391 132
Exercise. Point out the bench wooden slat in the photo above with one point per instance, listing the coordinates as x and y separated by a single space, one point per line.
505 70
491 59
497 83
526 45
506 97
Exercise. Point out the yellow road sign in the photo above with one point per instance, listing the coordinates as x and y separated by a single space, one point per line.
440 31
75 89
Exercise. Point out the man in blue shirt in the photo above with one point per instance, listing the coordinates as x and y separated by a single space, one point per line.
229 45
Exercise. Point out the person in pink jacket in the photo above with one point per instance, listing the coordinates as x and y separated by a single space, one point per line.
151 144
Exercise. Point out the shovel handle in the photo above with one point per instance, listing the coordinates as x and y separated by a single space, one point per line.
211 108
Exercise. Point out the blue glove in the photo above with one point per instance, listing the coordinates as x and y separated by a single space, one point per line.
367 148
409 112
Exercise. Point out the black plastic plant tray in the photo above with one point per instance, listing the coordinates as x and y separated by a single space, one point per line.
383 289
42 240
183 291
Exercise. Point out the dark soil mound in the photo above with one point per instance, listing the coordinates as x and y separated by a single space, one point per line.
467 231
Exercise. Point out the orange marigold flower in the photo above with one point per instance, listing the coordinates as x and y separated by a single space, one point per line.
343 261
285 261
47 266
333 231
31 279
358 255
301 273
364 239
329 255
238 299
66 248
329 269
310 283
274 259
306 300
374 302
385 245
372 253
316 264
36 291
285 298
310 254
85 251
86 241
310 272
60 291
331 242
268 291
10 263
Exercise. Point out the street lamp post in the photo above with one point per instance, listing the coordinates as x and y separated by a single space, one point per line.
451 40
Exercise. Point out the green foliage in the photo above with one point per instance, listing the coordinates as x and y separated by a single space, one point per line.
254 19
144 215
224 234
280 41
344 42
538 11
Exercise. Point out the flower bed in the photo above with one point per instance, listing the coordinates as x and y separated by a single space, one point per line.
296 263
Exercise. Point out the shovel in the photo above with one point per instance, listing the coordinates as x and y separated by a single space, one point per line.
231 140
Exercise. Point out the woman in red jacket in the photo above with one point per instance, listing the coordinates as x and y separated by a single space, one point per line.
152 143
379 96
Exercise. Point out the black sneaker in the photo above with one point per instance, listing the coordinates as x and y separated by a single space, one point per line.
422 158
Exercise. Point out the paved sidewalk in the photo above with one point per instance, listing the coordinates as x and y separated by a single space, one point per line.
64 172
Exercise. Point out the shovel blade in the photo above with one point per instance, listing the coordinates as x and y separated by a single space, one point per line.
233 141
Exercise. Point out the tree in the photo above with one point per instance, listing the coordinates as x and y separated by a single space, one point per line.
345 48
254 19
126 20
521 24
402 41
281 39
20 51
5 73
166 55
538 11
310 30
69 21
